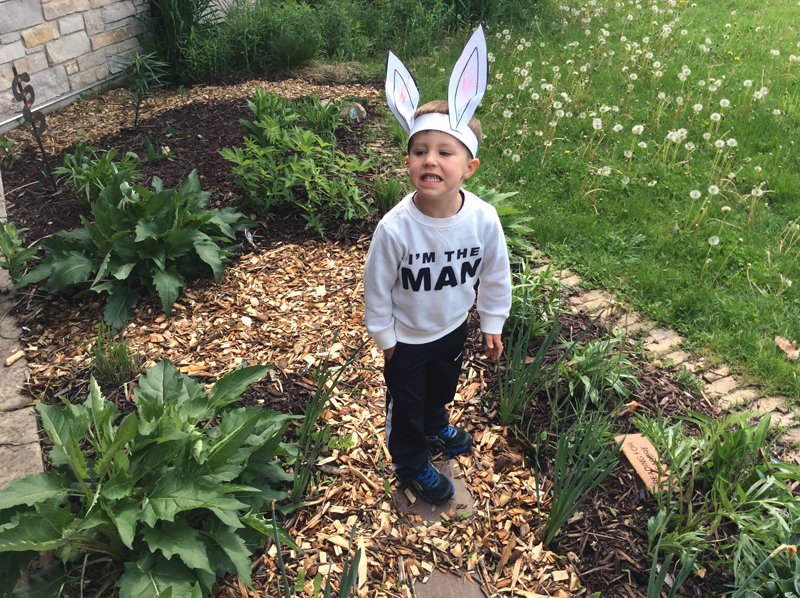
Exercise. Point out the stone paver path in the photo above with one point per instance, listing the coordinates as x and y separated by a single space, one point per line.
720 385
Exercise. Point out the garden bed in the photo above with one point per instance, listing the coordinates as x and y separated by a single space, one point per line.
292 299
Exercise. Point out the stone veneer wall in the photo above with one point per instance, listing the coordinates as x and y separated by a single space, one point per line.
64 45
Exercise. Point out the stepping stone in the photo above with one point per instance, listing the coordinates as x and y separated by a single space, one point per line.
446 585
661 341
737 397
722 386
595 305
766 405
677 357
716 374
461 502
11 379
780 420
790 436
562 274
586 297
632 322
572 281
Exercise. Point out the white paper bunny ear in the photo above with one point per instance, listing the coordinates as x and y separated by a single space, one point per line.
468 81
402 94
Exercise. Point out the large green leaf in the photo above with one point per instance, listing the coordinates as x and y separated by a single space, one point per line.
14 563
68 270
119 308
64 429
232 442
178 538
147 229
208 251
127 430
168 284
236 550
31 489
125 515
174 494
49 583
168 579
38 274
41 530
262 525
118 486
230 387
122 272
160 383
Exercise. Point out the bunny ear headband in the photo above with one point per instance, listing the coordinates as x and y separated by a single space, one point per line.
467 86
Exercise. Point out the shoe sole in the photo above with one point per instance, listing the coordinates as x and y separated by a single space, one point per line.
442 449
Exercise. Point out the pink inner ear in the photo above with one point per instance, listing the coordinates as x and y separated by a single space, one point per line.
468 87
403 95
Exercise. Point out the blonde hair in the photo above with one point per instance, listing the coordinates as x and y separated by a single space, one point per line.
441 107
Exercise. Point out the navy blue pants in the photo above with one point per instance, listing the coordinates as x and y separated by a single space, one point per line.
420 381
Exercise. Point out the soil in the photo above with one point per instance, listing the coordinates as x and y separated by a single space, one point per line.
606 542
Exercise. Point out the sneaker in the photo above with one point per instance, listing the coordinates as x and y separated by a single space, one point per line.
451 440
433 487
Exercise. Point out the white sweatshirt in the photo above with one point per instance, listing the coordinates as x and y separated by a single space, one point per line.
420 273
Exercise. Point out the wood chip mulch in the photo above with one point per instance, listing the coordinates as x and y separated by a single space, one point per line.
292 305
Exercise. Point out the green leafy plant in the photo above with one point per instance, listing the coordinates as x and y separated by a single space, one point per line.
534 297
387 193
174 490
88 172
143 74
655 584
6 150
113 363
140 241
14 256
284 164
584 457
787 588
514 221
321 117
598 369
309 440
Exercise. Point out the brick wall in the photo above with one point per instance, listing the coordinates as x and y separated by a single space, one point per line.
64 45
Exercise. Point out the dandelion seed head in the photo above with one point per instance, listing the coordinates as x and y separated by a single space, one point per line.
713 241
732 142
638 129
716 116
724 102
515 157
726 209
697 107
707 136
694 194
719 143
713 190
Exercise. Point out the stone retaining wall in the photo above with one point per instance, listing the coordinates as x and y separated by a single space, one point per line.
65 45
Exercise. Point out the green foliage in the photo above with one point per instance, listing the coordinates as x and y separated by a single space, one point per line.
387 193
281 163
174 490
515 222
655 584
6 152
584 458
531 300
171 23
140 241
721 477
321 117
14 256
88 173
326 378
598 370
519 382
113 363
143 74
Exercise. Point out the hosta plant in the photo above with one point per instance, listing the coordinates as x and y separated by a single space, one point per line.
174 490
141 241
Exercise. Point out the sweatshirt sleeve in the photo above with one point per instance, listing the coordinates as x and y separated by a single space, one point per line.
380 274
494 291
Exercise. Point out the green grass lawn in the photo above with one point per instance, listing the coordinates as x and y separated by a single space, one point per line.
656 145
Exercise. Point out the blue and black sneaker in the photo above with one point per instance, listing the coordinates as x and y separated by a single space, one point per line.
451 440
433 487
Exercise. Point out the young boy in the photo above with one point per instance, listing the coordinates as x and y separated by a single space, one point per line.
419 285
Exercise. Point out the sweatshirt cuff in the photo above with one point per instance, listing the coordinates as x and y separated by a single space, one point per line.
492 324
385 339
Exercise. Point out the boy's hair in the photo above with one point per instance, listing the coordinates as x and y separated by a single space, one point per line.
440 107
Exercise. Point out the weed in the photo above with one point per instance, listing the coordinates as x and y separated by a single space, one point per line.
113 363
143 74
6 150
14 256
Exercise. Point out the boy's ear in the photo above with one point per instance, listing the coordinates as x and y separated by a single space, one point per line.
407 160
472 166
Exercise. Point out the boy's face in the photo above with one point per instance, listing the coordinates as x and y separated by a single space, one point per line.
438 163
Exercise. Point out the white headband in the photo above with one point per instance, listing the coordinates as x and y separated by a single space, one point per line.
467 86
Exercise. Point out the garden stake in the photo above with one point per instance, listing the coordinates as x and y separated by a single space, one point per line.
27 96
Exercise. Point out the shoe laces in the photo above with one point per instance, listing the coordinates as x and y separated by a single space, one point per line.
429 477
448 432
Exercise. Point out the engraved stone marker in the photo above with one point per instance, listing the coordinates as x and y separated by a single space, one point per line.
640 454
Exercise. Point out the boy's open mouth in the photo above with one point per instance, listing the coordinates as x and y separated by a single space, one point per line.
431 178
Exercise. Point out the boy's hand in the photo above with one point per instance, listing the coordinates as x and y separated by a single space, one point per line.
494 346
387 354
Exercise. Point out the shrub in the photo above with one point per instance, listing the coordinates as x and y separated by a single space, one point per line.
143 74
175 490
387 193
140 241
285 164
14 256
88 174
